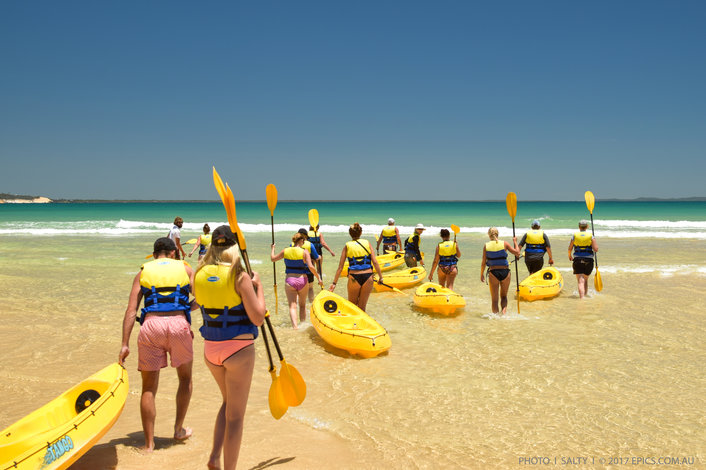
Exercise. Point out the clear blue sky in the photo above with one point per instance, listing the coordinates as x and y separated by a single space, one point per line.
353 100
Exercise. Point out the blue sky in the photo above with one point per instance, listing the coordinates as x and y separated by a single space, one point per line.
331 100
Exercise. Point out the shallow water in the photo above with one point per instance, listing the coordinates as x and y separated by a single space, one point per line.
619 374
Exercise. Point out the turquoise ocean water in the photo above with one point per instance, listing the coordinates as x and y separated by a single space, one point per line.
631 219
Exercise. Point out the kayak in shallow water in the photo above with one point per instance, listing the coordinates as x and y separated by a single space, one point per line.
345 326
438 299
544 284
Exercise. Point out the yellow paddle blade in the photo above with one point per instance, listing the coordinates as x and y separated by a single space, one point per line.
218 183
293 385
598 282
148 256
233 220
271 191
511 203
191 241
313 218
590 201
278 405
456 229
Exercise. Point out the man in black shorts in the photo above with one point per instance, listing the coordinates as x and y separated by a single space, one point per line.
581 250
537 244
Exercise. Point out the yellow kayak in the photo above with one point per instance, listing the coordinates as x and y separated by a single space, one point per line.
543 284
387 262
438 299
57 434
343 325
401 279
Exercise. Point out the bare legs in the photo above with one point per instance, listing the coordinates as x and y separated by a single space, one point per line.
233 379
502 286
297 301
148 410
358 294
582 281
447 280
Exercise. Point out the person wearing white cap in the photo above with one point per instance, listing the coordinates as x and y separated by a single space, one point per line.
537 244
412 253
390 238
581 250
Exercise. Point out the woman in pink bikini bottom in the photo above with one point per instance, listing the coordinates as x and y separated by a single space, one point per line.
297 262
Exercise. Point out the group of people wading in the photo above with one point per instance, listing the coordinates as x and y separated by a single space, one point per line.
232 305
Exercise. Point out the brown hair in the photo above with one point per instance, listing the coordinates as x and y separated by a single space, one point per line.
355 230
296 237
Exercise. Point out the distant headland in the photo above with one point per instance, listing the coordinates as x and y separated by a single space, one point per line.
21 199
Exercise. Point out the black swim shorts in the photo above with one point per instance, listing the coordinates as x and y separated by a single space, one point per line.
583 266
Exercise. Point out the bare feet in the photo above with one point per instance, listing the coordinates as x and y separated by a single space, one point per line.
146 449
183 434
213 466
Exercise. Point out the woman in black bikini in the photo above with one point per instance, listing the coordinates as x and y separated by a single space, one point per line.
361 260
495 258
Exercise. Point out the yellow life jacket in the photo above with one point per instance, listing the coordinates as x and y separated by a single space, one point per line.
206 239
583 245
165 285
222 310
294 260
535 242
389 235
447 253
358 254
495 253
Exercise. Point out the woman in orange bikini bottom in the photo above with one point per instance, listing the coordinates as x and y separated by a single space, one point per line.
217 352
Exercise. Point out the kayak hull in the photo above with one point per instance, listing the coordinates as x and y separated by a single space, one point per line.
401 279
343 325
438 299
544 284
57 434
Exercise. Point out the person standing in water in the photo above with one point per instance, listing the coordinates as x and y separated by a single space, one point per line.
297 262
165 328
446 257
203 242
581 250
233 307
361 260
412 252
175 236
316 238
390 238
495 259
537 244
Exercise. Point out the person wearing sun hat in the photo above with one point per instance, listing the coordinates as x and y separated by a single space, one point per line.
412 252
537 244
390 238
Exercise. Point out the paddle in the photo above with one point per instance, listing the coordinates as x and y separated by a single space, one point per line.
390 287
271 191
511 203
278 404
293 385
456 229
590 202
314 222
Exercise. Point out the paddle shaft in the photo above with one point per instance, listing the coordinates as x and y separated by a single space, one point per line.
517 274
595 255
272 225
267 346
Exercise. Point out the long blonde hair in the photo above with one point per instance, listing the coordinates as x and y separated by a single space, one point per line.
228 255
493 233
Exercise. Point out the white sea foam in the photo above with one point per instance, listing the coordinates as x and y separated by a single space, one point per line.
664 270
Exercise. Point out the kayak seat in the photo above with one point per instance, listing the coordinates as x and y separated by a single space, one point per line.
330 306
431 289
85 399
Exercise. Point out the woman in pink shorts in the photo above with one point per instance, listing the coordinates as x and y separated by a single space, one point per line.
297 262
233 307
